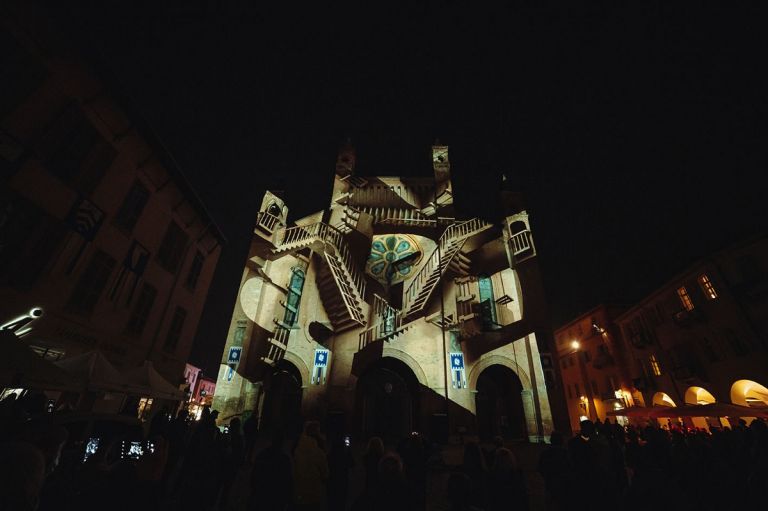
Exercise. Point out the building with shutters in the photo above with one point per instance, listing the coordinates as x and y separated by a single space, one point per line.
388 312
702 337
593 364
98 227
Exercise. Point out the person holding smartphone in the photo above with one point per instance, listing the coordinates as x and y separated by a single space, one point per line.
150 467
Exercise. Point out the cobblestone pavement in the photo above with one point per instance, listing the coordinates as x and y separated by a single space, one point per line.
441 465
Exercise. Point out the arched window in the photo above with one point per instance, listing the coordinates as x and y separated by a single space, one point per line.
487 302
294 297
274 210
389 320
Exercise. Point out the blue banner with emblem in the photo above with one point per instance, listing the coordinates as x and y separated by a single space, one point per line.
234 355
458 378
320 365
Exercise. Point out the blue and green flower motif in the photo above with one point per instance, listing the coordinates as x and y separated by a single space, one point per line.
385 263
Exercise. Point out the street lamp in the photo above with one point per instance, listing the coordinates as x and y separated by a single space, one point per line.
588 401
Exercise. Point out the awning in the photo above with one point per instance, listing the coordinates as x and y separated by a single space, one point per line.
146 381
95 371
21 367
713 410
632 411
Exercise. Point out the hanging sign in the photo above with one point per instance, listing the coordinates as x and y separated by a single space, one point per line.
234 355
320 365
458 378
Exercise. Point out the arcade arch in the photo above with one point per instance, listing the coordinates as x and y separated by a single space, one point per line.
701 396
662 399
749 393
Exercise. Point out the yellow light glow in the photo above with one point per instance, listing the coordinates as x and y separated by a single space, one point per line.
575 345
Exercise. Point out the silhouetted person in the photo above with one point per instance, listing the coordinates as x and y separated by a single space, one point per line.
150 470
391 491
490 453
250 432
414 458
231 455
22 472
340 461
272 477
586 455
310 467
475 468
555 469
459 493
201 462
506 483
373 454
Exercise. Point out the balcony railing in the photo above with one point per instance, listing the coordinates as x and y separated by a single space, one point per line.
278 343
267 221
520 242
387 323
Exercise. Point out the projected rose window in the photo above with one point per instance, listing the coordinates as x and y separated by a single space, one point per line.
393 258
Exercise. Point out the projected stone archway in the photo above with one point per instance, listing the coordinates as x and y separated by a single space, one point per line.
282 400
503 399
300 365
387 400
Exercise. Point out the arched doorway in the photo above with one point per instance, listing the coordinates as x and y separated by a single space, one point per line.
701 396
499 404
282 401
387 400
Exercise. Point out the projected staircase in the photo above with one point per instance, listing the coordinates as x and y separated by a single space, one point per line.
341 284
424 283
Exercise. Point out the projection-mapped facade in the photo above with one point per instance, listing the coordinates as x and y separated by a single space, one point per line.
388 313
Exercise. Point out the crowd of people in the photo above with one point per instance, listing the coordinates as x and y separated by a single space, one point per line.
197 465
646 467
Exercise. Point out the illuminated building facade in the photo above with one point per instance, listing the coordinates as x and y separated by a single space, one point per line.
703 336
387 313
592 357
98 227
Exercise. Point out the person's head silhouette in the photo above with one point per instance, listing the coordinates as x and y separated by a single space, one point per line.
587 428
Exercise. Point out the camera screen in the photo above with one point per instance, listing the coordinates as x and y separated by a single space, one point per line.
90 448
132 450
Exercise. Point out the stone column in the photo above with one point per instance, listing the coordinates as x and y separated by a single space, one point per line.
531 421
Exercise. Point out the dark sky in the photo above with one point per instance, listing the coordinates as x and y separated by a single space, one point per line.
637 135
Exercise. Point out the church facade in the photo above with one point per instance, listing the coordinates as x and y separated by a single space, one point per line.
387 313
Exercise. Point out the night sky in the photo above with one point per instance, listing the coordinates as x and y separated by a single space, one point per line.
638 136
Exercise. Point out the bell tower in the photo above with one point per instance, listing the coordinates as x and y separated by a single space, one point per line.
442 168
345 161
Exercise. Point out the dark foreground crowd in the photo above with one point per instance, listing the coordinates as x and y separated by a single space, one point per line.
194 465
609 466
